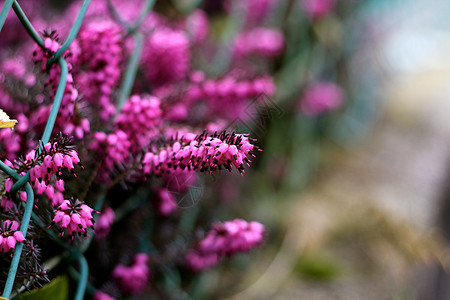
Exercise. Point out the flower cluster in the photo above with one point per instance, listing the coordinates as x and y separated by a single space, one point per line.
150 148
17 67
317 9
47 168
99 295
69 112
133 279
114 147
101 53
167 56
264 42
10 235
73 217
225 239
226 97
320 98
205 153
140 119
197 26
167 203
6 202
104 222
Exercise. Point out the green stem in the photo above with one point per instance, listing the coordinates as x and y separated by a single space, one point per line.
82 283
148 6
234 24
129 206
4 13
18 251
76 276
130 73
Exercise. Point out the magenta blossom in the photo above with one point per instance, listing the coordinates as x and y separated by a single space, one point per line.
320 98
225 239
101 50
197 26
99 295
205 153
167 203
73 217
104 222
140 119
10 235
69 119
264 42
317 9
167 56
133 279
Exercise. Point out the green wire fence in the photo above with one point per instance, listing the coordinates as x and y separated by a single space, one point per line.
125 89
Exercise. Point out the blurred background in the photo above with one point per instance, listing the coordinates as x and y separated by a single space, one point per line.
362 208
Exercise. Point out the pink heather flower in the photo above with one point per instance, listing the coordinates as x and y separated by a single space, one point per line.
317 9
6 203
204 153
320 98
44 173
140 119
133 279
225 239
99 295
197 25
231 237
198 262
228 97
101 52
17 67
10 235
264 42
104 222
166 57
69 118
73 217
167 203
115 147
180 181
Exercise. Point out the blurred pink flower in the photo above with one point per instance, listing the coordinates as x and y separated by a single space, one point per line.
167 57
320 98
167 203
197 25
265 42
133 279
99 295
104 222
225 239
317 9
